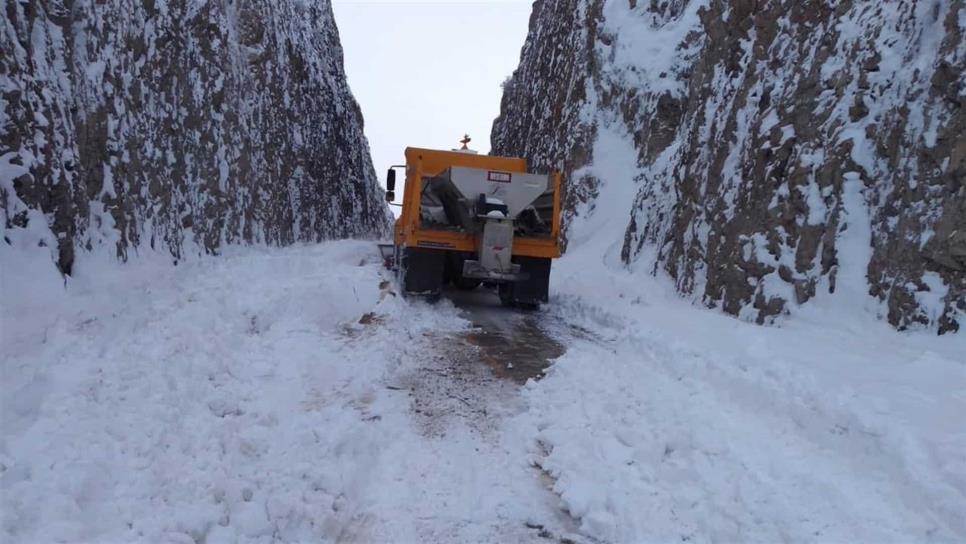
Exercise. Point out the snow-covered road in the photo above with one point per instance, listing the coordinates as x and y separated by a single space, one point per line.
289 395
283 395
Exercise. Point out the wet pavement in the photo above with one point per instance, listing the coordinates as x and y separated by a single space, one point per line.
515 344
465 384
472 377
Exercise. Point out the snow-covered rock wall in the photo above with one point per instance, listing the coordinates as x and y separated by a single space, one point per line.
178 125
786 150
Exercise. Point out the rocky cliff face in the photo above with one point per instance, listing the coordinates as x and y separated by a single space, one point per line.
182 125
785 149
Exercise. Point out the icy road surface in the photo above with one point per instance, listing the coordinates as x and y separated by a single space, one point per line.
289 395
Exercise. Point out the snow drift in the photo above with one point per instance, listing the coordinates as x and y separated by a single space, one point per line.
675 423
180 126
780 151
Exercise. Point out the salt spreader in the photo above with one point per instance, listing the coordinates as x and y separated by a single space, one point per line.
469 219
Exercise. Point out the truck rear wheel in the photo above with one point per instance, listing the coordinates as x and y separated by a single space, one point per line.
421 272
534 290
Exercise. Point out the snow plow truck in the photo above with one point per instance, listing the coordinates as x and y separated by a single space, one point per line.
470 219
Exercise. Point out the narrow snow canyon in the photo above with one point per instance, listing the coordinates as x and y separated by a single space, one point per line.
754 334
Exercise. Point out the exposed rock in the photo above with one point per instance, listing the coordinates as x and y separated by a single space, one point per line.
545 97
179 125
786 149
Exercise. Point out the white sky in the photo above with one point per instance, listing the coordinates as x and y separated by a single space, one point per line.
426 72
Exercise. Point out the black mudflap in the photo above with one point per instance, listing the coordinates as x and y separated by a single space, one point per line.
421 271
532 291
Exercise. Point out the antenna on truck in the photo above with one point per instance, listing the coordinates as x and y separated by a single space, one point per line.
465 149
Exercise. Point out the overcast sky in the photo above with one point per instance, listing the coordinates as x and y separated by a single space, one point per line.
426 72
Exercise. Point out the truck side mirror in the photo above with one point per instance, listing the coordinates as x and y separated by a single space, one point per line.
391 180
390 196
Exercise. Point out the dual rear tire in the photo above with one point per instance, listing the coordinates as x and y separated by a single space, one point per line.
531 292
421 271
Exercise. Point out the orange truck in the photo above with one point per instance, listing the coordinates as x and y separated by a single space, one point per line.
470 219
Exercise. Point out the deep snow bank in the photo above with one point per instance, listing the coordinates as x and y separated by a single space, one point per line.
673 423
786 150
224 400
679 424
269 395
182 126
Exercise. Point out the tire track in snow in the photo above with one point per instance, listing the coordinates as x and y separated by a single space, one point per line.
463 388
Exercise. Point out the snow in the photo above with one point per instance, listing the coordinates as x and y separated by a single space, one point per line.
651 58
615 166
674 423
854 244
170 390
687 425
258 396
268 394
680 424
704 126
933 299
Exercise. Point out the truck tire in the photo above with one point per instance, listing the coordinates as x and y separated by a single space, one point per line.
421 272
506 293
534 290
